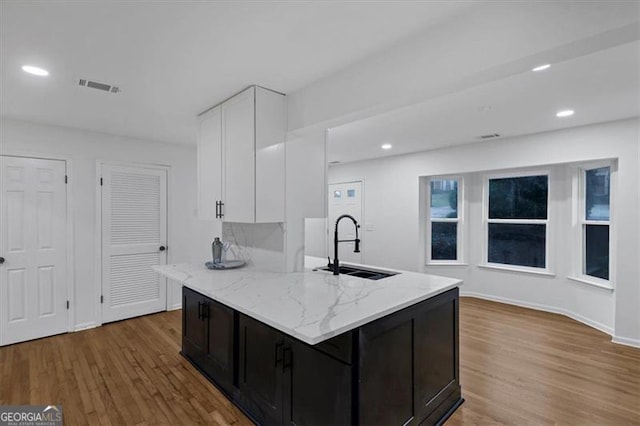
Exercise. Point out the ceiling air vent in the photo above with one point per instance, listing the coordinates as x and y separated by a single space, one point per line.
489 136
98 86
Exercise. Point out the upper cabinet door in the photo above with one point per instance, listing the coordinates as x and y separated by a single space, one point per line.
238 139
271 126
209 163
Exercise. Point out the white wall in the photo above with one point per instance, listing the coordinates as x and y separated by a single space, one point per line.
189 238
306 192
392 207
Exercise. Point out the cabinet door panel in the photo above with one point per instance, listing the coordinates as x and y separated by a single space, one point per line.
219 353
209 163
436 355
193 325
386 372
317 389
260 370
238 138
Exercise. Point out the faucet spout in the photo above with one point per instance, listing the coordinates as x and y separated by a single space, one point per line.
336 240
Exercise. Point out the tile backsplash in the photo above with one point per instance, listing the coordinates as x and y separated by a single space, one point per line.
261 245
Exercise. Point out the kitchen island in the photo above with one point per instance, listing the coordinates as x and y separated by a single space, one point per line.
311 348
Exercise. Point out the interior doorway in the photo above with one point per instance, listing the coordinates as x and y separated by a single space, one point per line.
134 238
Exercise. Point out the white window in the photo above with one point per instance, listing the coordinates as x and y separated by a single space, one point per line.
445 220
516 217
594 223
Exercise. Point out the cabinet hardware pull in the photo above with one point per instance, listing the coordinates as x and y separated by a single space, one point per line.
287 361
205 310
221 209
278 351
217 209
200 310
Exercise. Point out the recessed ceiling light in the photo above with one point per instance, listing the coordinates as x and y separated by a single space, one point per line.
41 72
541 67
386 146
565 113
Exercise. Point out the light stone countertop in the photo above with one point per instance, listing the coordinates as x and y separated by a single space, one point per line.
311 306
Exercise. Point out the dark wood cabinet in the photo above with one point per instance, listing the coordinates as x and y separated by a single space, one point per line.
400 369
194 326
208 337
317 388
219 356
260 375
284 381
409 364
386 372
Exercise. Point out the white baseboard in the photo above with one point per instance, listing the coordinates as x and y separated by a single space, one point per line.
85 326
544 308
626 341
175 307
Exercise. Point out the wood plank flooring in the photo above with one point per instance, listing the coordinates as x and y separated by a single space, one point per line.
518 366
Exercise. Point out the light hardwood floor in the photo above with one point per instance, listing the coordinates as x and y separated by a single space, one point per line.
518 366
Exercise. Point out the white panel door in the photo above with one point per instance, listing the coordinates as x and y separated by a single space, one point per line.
209 164
238 140
134 238
33 276
345 198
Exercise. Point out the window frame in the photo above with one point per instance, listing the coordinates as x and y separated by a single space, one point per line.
549 259
579 189
460 220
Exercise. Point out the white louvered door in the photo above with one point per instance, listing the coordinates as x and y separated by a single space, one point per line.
134 237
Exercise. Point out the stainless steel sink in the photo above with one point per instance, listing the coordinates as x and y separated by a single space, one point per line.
356 271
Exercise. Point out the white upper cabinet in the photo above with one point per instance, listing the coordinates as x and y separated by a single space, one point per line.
209 163
238 138
241 175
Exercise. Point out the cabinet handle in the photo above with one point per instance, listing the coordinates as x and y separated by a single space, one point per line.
221 209
278 352
205 310
201 310
217 209
287 358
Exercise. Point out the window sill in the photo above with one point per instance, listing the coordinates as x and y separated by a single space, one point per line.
455 264
604 286
519 270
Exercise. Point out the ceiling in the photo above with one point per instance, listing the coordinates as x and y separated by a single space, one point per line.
600 86
172 60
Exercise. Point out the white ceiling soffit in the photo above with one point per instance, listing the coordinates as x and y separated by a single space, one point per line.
601 86
483 44
172 60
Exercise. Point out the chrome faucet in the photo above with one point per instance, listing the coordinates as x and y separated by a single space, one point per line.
336 262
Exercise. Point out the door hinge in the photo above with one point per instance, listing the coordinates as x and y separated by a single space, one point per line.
67 304
100 181
66 179
101 299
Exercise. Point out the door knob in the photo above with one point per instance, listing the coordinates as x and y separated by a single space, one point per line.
1 260
162 248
